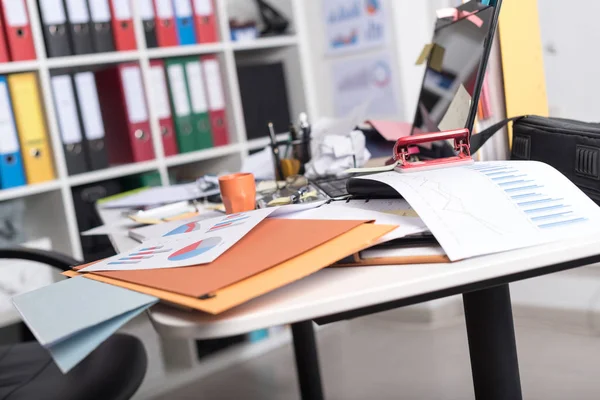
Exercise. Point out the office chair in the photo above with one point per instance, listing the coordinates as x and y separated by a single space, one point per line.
114 371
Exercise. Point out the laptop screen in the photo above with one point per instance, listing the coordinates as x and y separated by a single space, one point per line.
450 80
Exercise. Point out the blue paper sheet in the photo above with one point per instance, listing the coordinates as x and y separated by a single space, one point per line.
71 351
73 317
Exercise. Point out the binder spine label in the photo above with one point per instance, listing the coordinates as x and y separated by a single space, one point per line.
178 90
53 12
78 12
134 94
214 85
164 9
161 97
203 7
8 132
197 92
15 12
99 10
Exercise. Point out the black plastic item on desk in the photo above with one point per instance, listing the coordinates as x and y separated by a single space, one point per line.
370 189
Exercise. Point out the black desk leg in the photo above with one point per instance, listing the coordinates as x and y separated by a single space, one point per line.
307 362
492 345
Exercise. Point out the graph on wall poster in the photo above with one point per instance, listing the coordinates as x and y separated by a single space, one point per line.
145 253
195 249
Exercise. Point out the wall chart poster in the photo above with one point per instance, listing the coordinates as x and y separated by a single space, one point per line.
353 24
366 79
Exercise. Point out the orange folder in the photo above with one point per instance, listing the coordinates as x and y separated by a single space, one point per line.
270 243
291 270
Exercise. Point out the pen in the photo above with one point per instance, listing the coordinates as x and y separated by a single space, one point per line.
275 150
293 138
305 128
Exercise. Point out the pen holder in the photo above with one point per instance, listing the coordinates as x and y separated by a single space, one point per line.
238 192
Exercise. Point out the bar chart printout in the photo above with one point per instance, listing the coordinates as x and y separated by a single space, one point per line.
489 207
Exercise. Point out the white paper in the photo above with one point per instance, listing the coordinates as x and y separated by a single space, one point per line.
85 85
146 9
183 8
122 9
121 226
15 13
369 78
66 109
164 9
99 10
458 111
160 95
399 207
78 12
53 12
352 25
400 251
156 231
333 211
178 90
282 211
260 164
8 132
134 94
214 86
196 84
491 207
203 7
161 195
203 243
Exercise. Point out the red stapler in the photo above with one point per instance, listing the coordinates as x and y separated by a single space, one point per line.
402 151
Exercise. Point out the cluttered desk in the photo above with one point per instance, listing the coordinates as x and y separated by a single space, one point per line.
329 237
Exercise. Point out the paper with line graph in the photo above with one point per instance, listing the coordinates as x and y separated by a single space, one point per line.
199 242
489 207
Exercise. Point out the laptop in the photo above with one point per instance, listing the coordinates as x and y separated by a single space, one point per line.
451 84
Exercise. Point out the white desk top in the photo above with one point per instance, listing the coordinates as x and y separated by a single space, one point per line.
336 290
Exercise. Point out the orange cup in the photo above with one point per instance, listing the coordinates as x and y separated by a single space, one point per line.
238 192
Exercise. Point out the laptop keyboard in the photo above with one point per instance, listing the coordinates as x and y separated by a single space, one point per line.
333 187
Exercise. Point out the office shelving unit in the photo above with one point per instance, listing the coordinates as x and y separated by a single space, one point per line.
50 204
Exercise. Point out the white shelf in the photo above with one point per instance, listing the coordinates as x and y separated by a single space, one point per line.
93 59
265 43
112 173
176 51
188 158
18 66
223 157
260 143
29 190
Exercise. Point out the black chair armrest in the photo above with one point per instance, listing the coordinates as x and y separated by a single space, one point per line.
51 258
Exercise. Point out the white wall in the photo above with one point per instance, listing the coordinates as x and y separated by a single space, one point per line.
570 37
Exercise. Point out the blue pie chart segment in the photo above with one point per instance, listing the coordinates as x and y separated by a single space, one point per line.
187 228
195 249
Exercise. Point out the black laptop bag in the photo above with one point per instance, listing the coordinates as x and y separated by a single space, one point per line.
572 147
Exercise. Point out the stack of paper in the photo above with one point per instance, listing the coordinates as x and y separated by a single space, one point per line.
491 207
211 265
161 195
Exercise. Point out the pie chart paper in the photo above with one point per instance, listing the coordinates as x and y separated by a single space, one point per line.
195 249
191 245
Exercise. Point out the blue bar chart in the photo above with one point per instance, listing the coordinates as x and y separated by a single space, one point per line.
543 208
